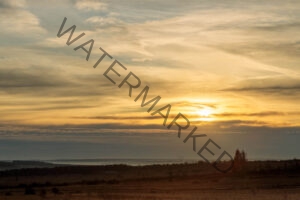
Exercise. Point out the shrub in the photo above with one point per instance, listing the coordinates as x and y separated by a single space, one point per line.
55 190
8 194
29 191
43 193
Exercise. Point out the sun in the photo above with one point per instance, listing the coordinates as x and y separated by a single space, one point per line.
205 112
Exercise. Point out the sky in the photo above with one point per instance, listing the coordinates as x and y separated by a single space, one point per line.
231 67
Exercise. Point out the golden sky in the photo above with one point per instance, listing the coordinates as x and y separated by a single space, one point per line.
230 67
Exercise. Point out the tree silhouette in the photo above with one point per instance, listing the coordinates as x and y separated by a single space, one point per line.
239 160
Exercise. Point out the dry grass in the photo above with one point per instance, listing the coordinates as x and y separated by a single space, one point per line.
162 195
176 182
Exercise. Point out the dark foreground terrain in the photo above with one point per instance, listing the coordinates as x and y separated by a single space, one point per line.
252 180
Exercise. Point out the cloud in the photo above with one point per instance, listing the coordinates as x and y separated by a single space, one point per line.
194 104
12 4
120 117
277 90
258 114
17 78
88 5
16 20
276 86
207 53
103 21
43 81
284 89
117 130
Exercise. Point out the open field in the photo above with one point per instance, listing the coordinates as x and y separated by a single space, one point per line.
256 180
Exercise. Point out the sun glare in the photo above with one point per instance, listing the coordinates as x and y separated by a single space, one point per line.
205 112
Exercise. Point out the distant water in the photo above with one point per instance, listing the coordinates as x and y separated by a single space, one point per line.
131 162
